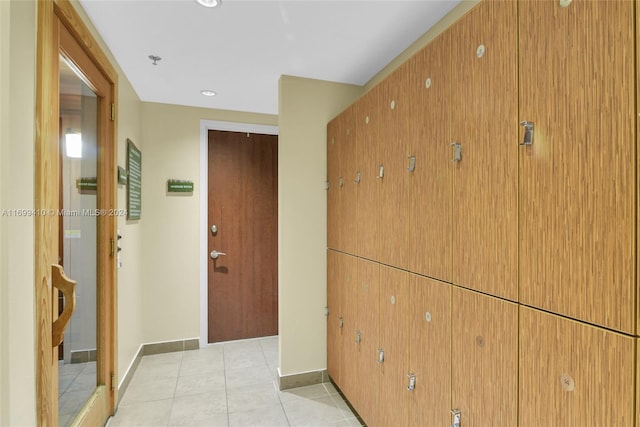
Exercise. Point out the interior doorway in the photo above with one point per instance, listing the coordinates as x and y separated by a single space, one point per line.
205 227
74 193
243 237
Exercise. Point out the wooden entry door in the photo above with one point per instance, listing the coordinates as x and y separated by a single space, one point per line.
243 229
76 95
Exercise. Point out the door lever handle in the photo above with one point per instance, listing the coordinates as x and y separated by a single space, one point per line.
215 254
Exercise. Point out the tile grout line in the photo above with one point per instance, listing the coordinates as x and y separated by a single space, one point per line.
275 384
226 394
175 388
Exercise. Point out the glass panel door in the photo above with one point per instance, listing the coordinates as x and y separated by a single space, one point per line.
78 353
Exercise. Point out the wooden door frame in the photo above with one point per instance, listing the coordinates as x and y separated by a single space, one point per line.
205 127
51 14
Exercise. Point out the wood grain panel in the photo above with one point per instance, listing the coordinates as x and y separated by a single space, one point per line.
577 191
334 299
349 304
46 197
393 225
368 159
349 191
573 374
484 361
60 29
484 121
367 369
78 46
430 352
242 203
637 279
432 181
395 306
333 184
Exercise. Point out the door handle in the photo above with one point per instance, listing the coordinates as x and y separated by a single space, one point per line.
68 288
527 139
215 254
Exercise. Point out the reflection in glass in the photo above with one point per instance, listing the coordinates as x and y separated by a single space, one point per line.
78 239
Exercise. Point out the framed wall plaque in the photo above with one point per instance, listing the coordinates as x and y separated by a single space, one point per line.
134 181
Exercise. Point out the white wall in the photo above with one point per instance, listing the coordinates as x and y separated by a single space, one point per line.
305 108
17 360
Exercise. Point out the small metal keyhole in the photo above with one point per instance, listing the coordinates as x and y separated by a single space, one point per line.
427 316
427 83
480 51
393 299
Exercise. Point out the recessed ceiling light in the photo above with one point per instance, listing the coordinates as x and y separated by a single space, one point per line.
208 93
210 3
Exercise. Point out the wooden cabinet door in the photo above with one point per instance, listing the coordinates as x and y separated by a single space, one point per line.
431 181
430 352
367 393
484 361
393 225
573 374
577 182
349 306
333 184
484 122
349 193
395 307
334 332
368 161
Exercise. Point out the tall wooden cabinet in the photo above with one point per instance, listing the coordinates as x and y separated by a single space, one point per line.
484 121
395 304
484 366
483 245
348 149
430 352
578 178
393 176
369 122
333 182
574 374
430 196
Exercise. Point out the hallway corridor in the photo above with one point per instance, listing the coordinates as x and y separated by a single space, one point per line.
230 384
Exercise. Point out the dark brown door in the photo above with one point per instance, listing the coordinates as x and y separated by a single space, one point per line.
243 211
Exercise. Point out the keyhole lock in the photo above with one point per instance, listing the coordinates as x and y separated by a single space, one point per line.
380 356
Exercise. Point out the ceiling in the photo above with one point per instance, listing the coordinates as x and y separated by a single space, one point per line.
240 49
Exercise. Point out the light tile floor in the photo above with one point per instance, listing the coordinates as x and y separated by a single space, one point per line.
231 384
